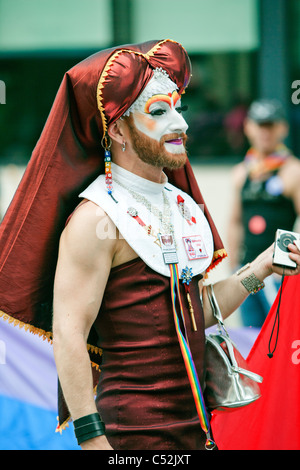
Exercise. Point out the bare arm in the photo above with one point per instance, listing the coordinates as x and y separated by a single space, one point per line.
83 268
230 293
235 230
291 181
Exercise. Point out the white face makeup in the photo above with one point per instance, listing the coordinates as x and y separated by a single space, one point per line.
157 112
161 120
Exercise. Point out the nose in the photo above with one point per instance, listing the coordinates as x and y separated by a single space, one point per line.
178 124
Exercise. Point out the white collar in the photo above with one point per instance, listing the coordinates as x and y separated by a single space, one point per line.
137 183
143 242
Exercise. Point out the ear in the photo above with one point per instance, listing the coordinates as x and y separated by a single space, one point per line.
284 129
116 131
248 128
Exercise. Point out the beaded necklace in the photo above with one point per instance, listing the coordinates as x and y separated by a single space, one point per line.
164 217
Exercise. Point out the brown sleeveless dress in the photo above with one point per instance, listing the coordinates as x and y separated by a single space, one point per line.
144 396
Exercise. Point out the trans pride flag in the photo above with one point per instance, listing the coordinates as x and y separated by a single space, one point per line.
28 393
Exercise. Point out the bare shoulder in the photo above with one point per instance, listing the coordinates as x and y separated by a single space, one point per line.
290 174
292 166
88 233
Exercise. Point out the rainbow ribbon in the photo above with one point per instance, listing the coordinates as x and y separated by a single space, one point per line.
188 359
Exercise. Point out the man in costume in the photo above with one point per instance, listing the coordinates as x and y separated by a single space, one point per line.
266 197
126 290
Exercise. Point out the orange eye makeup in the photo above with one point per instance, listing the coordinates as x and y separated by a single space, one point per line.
171 99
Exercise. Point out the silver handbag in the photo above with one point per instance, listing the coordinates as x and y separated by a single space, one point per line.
228 381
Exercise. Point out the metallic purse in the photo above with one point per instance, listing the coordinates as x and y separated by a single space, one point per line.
228 382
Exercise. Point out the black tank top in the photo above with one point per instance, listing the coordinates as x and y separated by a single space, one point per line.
264 210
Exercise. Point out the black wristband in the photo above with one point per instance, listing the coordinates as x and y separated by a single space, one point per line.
90 435
92 418
88 427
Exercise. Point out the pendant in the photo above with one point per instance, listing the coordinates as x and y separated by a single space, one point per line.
187 275
135 215
184 211
149 229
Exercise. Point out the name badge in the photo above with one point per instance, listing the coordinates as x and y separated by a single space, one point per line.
194 247
168 248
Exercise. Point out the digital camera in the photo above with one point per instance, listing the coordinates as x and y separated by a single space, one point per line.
281 252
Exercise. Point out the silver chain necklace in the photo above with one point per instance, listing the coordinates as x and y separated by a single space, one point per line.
163 217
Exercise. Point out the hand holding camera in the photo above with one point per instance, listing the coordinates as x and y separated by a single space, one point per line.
281 255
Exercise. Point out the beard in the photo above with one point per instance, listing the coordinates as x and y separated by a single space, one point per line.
154 153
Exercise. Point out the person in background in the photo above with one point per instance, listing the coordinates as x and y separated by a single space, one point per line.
266 196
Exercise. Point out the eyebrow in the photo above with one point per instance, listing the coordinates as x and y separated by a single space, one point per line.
166 98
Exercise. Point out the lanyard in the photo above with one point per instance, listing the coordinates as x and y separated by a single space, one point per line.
188 359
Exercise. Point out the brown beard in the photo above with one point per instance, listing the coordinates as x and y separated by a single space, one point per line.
154 153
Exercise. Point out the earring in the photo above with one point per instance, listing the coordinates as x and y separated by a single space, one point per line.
123 146
106 144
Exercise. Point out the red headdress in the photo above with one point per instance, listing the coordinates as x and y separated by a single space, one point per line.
67 157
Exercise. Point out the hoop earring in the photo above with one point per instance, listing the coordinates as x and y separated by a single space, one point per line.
123 146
